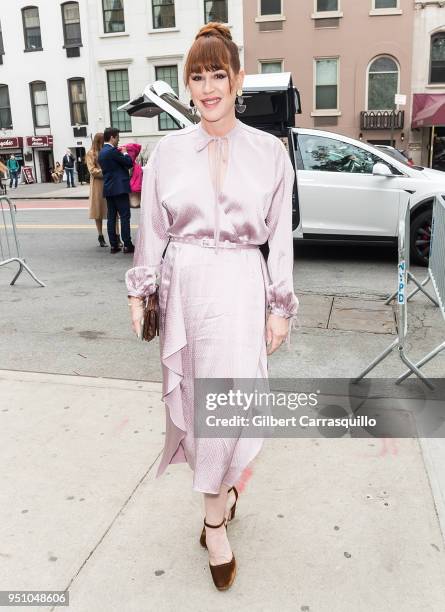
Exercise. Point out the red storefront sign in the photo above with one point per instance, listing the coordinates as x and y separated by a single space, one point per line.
11 143
39 141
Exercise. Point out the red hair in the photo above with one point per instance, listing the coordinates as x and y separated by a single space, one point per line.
213 49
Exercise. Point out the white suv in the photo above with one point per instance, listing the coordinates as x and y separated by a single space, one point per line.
348 190
345 189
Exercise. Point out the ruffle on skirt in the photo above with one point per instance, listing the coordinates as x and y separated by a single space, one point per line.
213 314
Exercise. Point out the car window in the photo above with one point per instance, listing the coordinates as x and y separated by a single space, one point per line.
393 152
330 155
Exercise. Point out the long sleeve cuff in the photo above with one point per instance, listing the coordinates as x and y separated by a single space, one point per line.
283 304
142 281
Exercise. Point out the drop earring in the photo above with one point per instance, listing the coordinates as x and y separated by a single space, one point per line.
239 104
193 107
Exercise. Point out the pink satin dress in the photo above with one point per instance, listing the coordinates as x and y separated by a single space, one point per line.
213 200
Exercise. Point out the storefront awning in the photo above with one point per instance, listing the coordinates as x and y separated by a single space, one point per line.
428 110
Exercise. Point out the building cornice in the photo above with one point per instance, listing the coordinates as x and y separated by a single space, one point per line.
125 61
165 56
421 4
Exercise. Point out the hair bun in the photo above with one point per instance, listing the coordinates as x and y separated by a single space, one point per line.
214 28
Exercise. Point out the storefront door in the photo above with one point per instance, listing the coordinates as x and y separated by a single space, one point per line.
46 163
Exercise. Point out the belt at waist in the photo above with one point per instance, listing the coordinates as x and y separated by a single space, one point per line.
210 242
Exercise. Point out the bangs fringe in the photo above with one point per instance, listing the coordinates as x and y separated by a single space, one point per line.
207 54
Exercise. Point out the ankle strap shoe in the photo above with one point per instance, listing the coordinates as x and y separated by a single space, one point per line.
202 539
223 574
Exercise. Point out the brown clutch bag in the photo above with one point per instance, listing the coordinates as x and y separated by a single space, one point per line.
150 322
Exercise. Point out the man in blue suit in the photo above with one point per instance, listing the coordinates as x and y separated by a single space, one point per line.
115 169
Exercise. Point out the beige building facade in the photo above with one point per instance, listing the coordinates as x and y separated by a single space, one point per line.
428 84
348 58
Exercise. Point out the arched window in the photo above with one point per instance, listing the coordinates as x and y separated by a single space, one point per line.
72 35
437 63
39 102
31 28
5 108
383 83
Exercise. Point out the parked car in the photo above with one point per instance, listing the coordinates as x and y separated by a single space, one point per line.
345 189
402 156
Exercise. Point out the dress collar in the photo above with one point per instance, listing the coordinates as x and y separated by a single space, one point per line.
204 137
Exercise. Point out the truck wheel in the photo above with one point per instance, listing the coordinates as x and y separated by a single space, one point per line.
420 237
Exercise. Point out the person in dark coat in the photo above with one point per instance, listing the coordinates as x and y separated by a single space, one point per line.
115 167
68 166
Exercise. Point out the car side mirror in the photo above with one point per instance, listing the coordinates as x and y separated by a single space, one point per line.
380 169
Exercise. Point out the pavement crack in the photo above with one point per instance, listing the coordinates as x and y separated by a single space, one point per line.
330 312
108 529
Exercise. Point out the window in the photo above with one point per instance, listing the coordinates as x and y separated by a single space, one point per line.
118 94
329 155
385 4
163 13
383 84
326 88
270 7
215 10
2 49
169 74
437 64
113 11
78 101
268 67
31 28
71 24
327 5
5 109
39 101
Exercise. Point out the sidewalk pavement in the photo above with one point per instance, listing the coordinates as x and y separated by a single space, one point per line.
48 191
323 525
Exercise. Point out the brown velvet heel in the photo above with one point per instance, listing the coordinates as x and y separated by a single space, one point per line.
202 539
223 574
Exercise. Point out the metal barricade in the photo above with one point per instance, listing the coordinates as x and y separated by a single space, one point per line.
436 271
402 307
420 286
9 241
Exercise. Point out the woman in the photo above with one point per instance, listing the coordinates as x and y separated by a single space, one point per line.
57 173
223 185
98 204
4 174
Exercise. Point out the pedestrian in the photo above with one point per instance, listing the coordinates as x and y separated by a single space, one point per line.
98 204
3 172
213 193
68 166
81 170
57 173
14 170
133 150
115 167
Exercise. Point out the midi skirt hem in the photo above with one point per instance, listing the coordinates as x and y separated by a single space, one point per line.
174 348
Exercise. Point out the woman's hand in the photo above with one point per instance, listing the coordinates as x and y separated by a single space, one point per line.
276 331
137 313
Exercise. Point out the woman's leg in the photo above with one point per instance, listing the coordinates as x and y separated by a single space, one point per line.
99 226
216 539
